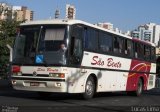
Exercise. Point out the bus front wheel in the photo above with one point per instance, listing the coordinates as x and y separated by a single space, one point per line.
89 88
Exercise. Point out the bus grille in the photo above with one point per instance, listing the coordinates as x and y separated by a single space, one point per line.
38 75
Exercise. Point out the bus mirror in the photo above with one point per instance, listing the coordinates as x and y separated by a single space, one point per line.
11 50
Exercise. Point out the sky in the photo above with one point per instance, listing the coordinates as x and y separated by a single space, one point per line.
123 14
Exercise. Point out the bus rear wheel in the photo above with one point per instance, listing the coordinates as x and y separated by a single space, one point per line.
89 88
139 89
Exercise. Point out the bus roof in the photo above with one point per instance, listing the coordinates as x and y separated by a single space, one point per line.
73 21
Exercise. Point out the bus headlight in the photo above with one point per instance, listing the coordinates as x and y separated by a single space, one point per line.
57 75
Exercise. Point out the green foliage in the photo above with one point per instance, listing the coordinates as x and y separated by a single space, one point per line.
7 35
8 28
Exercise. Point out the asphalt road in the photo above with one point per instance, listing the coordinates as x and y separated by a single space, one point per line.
23 101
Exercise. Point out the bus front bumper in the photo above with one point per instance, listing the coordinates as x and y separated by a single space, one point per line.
39 84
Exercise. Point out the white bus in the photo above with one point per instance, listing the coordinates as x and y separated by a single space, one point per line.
73 56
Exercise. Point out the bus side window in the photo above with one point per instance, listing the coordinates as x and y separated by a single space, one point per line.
85 38
140 51
105 42
147 52
91 39
121 45
128 48
153 54
135 50
116 45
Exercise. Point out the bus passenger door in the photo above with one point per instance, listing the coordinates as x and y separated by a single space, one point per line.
76 52
75 58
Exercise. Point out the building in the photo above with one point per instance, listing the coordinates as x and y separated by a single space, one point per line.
5 11
70 11
135 34
106 25
156 35
128 33
148 32
117 30
148 36
21 13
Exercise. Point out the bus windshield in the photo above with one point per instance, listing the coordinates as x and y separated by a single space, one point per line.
40 44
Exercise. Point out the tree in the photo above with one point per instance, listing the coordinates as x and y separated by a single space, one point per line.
7 35
8 28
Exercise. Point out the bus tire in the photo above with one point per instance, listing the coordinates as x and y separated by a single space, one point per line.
139 89
89 88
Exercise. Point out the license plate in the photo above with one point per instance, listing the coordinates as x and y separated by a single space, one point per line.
34 83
